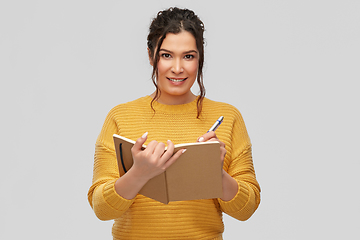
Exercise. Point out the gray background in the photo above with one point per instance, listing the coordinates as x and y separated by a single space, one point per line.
290 67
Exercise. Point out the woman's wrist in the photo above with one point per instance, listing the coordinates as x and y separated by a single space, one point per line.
129 185
230 187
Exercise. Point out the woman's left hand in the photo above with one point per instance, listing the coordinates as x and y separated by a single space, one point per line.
211 136
230 185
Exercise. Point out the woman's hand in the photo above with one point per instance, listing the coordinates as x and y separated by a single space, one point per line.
230 186
148 163
153 160
211 136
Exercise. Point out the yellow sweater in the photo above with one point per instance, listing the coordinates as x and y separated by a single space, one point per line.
144 218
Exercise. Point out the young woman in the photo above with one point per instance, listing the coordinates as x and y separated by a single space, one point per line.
176 52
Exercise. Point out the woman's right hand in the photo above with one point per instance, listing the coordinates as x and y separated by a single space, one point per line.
148 163
153 160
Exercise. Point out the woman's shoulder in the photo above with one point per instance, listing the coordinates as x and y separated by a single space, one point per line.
137 103
132 107
213 105
217 108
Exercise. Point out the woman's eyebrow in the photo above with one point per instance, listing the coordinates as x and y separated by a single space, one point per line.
191 51
187 52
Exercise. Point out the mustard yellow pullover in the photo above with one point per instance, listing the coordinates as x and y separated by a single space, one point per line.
144 218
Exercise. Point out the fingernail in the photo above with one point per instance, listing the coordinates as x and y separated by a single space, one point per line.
144 135
201 139
183 150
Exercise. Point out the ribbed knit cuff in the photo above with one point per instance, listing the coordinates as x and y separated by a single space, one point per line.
239 201
113 199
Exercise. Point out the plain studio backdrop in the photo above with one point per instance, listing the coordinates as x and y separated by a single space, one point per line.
290 67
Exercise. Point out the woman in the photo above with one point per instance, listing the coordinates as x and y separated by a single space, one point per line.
176 52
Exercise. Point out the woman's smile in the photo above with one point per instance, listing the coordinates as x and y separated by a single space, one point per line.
176 80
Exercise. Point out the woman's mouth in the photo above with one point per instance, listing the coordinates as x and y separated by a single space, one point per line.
177 79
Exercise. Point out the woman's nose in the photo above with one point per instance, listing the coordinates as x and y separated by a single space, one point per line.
177 67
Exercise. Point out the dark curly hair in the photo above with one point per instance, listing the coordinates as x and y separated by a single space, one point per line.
175 20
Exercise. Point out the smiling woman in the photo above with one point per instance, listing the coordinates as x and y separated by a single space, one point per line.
172 111
177 68
176 21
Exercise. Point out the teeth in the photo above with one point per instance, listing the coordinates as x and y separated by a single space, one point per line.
177 80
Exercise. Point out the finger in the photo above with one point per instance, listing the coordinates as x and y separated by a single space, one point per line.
171 160
223 152
139 142
159 149
207 136
169 151
151 147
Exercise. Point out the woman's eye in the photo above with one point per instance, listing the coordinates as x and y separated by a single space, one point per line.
189 56
166 55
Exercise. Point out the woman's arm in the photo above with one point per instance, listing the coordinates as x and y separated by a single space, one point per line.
110 196
241 191
247 199
229 184
104 200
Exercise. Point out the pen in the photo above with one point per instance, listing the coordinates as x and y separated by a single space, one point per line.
216 124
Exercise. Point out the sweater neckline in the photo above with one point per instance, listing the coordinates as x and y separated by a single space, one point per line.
177 108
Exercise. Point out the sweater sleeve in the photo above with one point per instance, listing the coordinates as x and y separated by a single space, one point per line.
103 198
240 166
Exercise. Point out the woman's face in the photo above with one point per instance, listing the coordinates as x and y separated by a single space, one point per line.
177 68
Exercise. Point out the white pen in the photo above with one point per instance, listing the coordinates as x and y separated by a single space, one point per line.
216 124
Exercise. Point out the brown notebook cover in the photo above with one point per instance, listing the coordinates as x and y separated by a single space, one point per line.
197 174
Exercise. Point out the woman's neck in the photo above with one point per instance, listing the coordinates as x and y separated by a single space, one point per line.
174 100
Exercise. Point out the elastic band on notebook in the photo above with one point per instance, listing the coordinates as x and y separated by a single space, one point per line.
122 160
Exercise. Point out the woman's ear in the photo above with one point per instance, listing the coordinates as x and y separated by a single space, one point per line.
150 57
